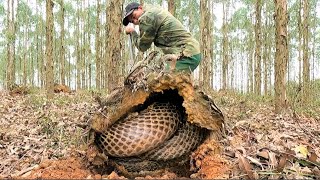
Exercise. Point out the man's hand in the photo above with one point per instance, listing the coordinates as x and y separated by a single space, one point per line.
129 29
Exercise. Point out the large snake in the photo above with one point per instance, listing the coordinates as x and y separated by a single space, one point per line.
156 133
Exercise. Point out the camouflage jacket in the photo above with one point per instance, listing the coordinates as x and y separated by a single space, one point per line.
159 26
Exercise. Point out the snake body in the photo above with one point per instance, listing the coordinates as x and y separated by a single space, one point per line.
156 134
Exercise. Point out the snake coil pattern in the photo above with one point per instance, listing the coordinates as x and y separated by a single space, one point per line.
156 133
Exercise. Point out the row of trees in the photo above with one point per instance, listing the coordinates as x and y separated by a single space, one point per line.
248 45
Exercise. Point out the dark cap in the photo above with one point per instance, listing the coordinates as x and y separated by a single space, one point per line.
128 11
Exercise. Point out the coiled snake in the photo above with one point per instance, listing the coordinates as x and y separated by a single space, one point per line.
156 133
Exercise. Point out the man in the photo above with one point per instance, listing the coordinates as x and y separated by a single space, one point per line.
165 31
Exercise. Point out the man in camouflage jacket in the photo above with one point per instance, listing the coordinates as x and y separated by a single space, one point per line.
157 25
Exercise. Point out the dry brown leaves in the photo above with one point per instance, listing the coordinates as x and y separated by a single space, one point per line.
266 145
34 129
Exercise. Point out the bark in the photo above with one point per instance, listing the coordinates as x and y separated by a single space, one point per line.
306 61
172 7
25 61
225 44
78 49
62 48
300 41
98 46
257 76
83 54
49 49
264 57
206 44
281 56
114 31
10 70
250 61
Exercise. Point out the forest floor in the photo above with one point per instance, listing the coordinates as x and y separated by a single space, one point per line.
47 139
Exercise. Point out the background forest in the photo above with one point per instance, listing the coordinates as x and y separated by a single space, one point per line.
84 46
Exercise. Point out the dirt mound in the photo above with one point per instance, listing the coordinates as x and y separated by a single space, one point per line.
207 162
70 168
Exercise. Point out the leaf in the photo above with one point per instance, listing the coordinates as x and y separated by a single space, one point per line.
245 166
264 154
255 161
313 157
282 163
301 151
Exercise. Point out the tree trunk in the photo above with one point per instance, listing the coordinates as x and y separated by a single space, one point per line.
205 44
83 55
257 74
25 51
88 49
281 56
62 50
264 57
98 46
172 8
225 44
114 31
78 49
306 63
49 48
10 73
300 41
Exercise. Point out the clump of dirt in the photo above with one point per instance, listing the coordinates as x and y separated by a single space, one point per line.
69 168
208 163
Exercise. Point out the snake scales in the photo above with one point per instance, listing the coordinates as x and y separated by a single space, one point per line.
156 133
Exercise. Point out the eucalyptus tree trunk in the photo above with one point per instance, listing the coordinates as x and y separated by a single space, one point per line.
267 49
62 48
205 44
88 49
39 46
314 44
38 61
300 41
78 49
172 8
49 48
281 56
257 29
268 57
69 69
83 54
214 54
10 73
250 61
25 50
306 63
98 46
113 54
265 54
225 44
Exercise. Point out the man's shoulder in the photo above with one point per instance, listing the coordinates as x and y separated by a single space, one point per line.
155 10
153 13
